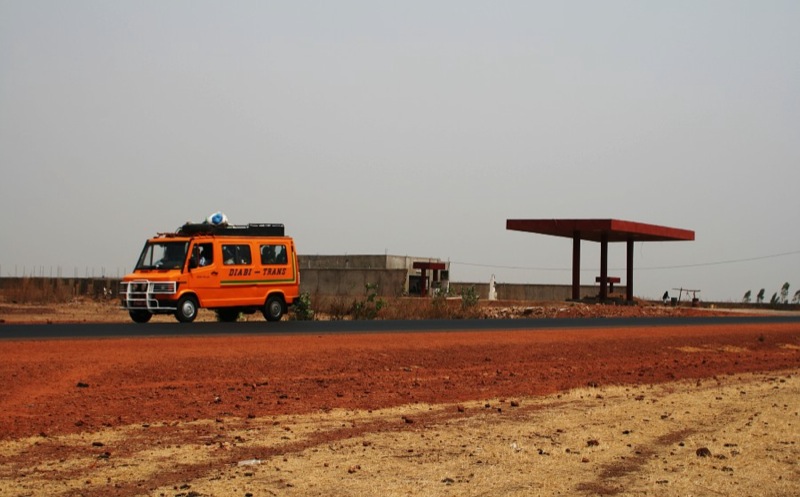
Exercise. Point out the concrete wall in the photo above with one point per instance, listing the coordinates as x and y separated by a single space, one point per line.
341 261
393 282
328 282
532 292
353 282
360 261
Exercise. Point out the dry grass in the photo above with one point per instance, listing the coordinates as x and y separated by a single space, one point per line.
626 441
33 304
399 308
39 291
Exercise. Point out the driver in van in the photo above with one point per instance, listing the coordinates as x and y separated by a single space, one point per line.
206 256
173 257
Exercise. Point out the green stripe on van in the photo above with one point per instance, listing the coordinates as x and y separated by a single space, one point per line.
256 282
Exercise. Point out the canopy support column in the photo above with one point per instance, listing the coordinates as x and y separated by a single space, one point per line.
576 265
603 267
629 273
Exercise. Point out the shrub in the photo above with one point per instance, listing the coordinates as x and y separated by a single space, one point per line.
370 306
469 298
302 310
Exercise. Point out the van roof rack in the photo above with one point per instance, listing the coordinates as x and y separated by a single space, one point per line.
252 229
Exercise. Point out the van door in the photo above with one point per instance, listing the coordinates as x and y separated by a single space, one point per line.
237 280
204 273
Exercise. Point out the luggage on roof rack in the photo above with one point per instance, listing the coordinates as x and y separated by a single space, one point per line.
252 229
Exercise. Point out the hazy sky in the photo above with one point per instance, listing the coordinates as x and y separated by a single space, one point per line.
408 128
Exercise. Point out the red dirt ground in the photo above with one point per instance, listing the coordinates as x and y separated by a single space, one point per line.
69 386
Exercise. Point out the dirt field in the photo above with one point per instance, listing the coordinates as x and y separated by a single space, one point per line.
663 411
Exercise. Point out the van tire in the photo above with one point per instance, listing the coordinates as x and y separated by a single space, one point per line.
273 309
140 316
187 309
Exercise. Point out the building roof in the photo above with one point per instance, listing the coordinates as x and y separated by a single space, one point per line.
593 229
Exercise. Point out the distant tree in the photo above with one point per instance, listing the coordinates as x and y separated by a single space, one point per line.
760 296
785 293
774 299
746 298
796 299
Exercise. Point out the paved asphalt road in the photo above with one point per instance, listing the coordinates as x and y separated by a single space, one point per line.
105 330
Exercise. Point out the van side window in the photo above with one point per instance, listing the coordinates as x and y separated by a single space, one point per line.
273 254
236 254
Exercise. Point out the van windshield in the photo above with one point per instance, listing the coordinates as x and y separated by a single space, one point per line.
163 255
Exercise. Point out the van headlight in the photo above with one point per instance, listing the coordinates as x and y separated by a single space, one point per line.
164 287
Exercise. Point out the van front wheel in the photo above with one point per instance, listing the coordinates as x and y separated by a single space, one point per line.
273 309
140 316
187 309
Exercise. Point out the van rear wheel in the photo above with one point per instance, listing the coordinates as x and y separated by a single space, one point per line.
273 309
187 309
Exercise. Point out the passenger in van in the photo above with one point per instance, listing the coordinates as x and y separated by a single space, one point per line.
280 254
244 255
228 254
273 254
236 254
267 254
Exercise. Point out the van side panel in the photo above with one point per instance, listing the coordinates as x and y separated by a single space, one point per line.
245 284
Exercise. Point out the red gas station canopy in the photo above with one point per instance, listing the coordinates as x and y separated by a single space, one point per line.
593 229
602 231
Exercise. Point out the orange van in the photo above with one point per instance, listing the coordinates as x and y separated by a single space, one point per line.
228 269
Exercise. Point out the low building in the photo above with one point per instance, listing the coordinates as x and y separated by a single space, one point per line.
392 275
